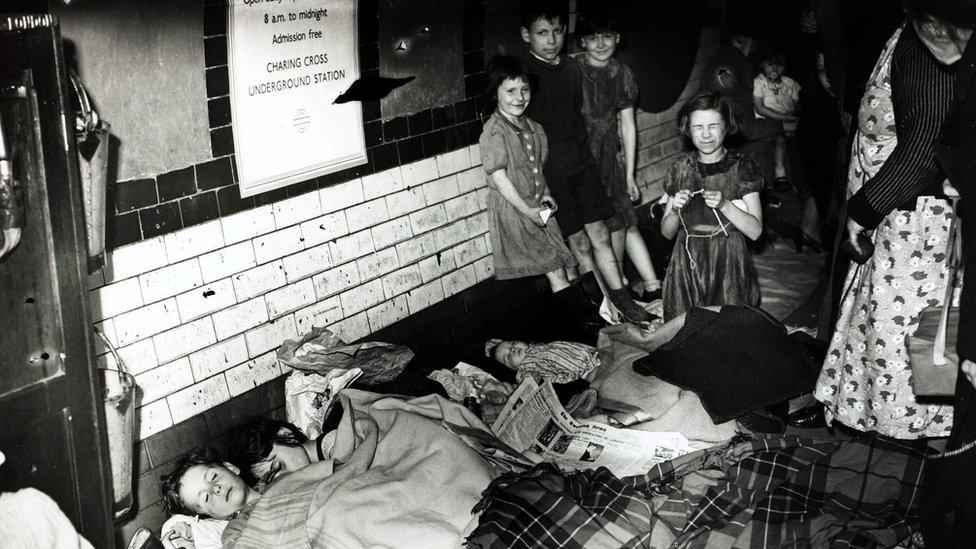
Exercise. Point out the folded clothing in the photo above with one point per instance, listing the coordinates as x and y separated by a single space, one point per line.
736 360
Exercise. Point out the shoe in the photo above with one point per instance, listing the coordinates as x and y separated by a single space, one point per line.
635 295
763 421
574 318
628 307
574 301
653 295
810 417
591 289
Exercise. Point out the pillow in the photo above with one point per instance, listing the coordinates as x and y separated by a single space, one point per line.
737 360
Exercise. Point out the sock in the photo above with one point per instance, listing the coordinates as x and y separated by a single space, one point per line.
652 285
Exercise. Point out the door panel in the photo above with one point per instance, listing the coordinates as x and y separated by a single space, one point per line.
51 417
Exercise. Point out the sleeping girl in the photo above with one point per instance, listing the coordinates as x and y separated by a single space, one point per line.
558 362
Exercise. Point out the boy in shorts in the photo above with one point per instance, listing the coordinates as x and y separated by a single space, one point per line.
557 101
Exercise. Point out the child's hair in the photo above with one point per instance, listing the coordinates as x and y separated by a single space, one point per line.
598 20
771 53
531 11
490 346
499 69
707 101
251 442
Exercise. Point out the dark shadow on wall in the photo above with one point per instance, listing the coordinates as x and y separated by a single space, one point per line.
659 43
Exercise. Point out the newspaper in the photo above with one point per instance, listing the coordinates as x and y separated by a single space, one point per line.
533 420
490 447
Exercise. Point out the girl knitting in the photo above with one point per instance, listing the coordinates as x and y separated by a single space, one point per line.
524 240
712 207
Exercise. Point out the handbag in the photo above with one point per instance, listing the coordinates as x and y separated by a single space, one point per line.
932 348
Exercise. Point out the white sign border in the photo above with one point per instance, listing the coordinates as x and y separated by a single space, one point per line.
303 174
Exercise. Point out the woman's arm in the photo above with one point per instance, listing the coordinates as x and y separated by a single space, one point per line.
748 220
505 187
628 134
921 93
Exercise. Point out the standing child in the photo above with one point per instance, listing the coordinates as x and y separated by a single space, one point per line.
609 94
778 97
524 241
713 206
570 171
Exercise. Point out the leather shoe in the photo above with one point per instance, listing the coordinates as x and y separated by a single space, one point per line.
810 417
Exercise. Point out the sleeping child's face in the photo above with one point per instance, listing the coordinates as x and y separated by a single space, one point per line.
545 37
281 459
511 353
213 490
600 47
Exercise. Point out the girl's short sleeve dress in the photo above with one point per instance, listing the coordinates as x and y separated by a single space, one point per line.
519 247
708 267
607 91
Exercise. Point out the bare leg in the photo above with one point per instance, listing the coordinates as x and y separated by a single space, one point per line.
580 245
602 251
780 156
641 258
618 239
557 279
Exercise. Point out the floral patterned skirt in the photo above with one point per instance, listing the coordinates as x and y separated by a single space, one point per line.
866 381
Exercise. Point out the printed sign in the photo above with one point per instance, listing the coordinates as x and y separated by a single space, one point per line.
288 61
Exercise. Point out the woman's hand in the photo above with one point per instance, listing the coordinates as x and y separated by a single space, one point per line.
853 230
949 190
969 369
714 199
680 199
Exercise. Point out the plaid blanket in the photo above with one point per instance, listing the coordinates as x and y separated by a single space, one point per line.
773 492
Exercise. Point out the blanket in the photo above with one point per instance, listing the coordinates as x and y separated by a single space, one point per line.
737 359
644 402
397 478
772 492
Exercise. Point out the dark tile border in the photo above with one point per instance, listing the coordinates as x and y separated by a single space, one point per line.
148 207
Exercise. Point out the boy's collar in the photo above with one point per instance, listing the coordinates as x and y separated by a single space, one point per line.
555 63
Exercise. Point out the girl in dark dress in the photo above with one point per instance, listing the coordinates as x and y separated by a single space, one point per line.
713 207
609 94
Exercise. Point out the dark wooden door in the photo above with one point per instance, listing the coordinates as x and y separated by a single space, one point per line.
51 422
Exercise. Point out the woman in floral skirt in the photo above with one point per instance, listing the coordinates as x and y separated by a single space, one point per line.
894 183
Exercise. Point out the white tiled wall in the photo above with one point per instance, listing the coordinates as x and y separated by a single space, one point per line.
198 314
